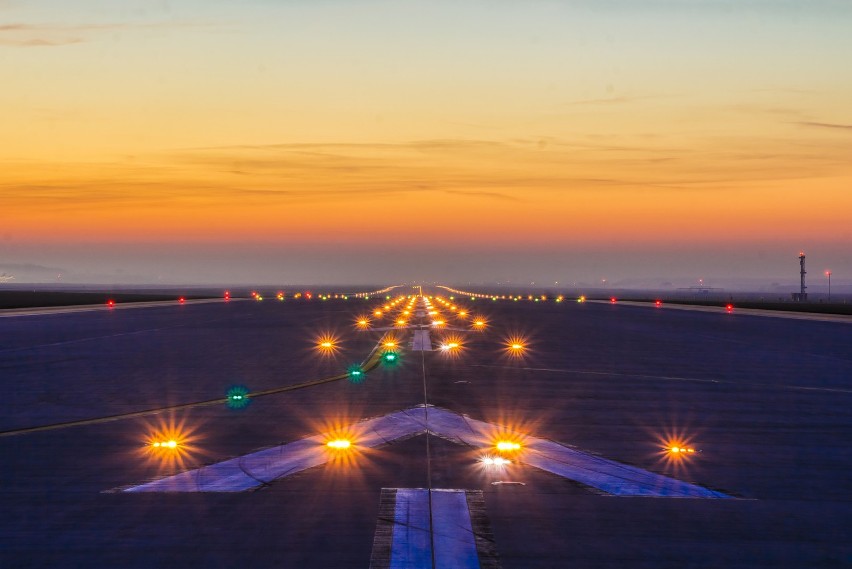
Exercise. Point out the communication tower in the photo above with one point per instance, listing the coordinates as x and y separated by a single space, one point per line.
801 296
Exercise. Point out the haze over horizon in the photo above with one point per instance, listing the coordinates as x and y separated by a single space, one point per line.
377 142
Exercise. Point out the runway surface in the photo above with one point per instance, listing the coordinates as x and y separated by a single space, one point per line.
595 395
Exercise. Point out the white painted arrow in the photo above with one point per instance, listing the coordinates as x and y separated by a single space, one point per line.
262 467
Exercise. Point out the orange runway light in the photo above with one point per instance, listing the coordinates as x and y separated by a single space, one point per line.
326 344
339 444
516 346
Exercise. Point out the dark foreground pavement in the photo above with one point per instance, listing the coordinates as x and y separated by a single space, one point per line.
768 403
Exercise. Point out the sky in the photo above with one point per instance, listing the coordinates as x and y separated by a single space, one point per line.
362 141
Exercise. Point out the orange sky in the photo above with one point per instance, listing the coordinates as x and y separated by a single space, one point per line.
512 125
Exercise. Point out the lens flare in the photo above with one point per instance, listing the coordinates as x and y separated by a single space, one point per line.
676 450
356 374
238 397
170 445
494 461
507 446
390 358
326 344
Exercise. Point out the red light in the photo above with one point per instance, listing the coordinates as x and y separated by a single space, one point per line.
729 307
227 295
110 303
612 299
658 303
181 300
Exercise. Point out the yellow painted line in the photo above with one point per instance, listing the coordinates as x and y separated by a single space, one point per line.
369 364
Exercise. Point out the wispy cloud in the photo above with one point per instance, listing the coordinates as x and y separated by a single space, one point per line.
39 42
621 100
52 35
827 125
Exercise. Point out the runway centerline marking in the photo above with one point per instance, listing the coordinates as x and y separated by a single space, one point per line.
421 341
458 535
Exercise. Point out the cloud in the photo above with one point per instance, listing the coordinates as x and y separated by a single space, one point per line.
827 125
614 100
52 35
356 175
39 42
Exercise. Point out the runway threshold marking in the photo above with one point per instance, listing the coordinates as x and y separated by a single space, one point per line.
262 467
669 378
404 535
370 363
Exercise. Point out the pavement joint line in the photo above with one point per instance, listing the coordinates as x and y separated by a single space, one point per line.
668 378
369 364
88 339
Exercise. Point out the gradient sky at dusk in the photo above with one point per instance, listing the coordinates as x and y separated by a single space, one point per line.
378 141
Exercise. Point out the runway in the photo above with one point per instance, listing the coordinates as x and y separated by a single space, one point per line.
594 395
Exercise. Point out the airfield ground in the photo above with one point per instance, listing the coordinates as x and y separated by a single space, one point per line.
765 402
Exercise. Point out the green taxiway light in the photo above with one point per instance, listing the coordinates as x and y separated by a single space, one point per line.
390 357
238 397
356 374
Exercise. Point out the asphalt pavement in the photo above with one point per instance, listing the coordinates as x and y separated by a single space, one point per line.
764 403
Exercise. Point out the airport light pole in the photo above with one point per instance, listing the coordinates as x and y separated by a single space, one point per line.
828 274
